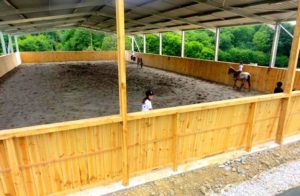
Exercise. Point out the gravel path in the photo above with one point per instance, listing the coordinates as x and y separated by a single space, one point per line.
256 174
269 182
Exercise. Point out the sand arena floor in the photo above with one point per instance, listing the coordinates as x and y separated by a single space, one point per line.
36 94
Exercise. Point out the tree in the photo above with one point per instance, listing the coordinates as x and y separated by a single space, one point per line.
34 43
109 43
152 45
171 44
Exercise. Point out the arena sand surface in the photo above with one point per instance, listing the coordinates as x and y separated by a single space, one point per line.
34 94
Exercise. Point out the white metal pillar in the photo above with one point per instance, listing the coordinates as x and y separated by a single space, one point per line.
136 44
144 37
275 45
160 43
10 46
16 42
132 44
217 44
3 43
182 43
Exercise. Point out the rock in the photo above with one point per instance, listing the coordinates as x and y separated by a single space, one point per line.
153 193
241 171
227 168
221 166
233 169
203 189
265 162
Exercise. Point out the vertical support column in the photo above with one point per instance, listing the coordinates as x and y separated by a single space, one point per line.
217 43
122 85
3 43
174 146
275 45
289 81
11 48
16 42
18 182
182 43
145 43
160 43
251 121
132 44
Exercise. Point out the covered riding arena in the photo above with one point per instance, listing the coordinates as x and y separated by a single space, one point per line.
71 120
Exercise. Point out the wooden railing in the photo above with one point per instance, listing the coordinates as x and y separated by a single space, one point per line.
9 62
68 156
263 79
63 56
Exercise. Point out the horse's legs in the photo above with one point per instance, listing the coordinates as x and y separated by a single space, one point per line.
249 83
242 85
234 84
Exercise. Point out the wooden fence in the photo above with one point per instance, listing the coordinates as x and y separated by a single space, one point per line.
263 79
65 157
8 63
63 56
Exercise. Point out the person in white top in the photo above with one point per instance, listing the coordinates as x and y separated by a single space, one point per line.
241 66
147 104
240 69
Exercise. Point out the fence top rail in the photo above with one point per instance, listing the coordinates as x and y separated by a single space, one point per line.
204 106
219 62
77 124
56 127
86 51
296 93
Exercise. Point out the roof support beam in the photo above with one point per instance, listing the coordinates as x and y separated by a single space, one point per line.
160 43
285 30
145 43
275 45
40 25
182 43
132 43
10 45
289 82
217 43
64 16
235 10
122 86
91 3
3 43
16 43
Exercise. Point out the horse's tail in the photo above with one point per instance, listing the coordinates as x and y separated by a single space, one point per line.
249 81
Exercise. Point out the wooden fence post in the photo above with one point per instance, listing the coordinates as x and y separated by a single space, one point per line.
122 85
174 150
18 182
251 120
289 81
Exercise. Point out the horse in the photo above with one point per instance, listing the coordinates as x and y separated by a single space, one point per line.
241 76
139 62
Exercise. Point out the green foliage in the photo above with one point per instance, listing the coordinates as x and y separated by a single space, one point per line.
109 43
35 43
152 45
171 44
250 44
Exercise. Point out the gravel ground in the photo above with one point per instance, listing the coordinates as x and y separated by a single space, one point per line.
254 172
269 182
35 94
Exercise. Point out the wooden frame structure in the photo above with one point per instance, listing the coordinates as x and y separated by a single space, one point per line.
69 156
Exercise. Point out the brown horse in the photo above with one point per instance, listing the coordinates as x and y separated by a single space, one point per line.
241 76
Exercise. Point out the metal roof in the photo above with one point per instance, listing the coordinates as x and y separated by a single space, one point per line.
141 16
